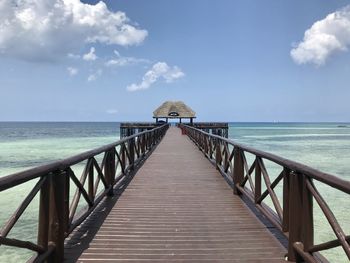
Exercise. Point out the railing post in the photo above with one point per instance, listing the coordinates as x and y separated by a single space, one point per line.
295 213
307 216
286 188
123 157
44 212
226 156
257 190
238 170
149 140
301 225
66 202
58 215
110 169
218 157
205 145
143 148
131 145
91 181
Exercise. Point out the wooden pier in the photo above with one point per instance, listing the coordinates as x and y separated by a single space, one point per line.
181 195
179 208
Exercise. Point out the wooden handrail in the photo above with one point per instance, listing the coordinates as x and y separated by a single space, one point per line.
294 218
58 218
326 178
36 172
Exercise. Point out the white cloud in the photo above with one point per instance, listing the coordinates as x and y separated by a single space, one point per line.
72 71
91 56
94 76
73 56
124 61
111 111
50 29
160 70
325 37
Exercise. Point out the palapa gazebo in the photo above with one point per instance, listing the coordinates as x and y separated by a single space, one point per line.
174 110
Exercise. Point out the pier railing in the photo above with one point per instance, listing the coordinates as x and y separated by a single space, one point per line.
294 215
58 217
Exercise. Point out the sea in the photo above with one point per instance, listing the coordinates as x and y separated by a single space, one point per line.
23 145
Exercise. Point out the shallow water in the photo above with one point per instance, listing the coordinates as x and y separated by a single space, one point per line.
324 146
26 145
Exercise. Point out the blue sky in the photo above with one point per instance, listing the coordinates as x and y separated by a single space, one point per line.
228 60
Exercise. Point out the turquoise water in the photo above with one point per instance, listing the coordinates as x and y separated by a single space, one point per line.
26 145
324 146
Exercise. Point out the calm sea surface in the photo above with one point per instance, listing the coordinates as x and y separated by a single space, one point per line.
324 146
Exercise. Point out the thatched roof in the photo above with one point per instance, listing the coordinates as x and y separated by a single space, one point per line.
174 109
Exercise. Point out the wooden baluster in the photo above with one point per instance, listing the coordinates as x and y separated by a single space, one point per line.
131 145
307 216
149 140
91 180
143 148
110 169
227 157
44 208
123 157
286 188
218 157
66 203
205 145
257 189
295 216
238 170
152 139
57 215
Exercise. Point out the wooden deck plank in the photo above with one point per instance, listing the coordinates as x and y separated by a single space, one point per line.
177 208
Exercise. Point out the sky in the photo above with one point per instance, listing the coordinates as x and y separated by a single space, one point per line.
118 60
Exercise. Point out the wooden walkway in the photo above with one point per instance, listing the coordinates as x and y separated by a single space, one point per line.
176 208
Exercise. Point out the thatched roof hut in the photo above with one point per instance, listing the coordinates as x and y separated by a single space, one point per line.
174 110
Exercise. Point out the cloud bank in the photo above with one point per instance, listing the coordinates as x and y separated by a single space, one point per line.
48 29
324 38
160 70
